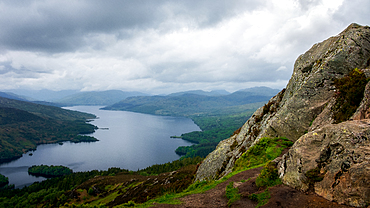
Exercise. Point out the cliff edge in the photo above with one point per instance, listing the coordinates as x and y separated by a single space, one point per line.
331 142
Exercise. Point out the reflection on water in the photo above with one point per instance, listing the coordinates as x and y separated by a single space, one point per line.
132 141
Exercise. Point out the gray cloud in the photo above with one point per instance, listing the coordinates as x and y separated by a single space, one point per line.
163 45
60 26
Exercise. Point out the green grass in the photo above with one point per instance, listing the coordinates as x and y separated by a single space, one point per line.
264 151
195 188
106 199
259 155
231 193
269 176
261 198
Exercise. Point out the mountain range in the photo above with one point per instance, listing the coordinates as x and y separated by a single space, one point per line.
193 103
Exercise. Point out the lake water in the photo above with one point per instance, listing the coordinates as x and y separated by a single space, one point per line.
133 141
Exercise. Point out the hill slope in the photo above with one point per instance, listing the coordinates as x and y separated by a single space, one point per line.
24 125
190 103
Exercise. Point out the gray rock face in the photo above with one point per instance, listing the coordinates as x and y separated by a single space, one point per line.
306 103
340 154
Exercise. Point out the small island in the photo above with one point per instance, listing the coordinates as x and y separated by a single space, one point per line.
49 171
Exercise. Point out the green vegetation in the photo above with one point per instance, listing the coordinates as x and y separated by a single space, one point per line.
26 125
83 138
55 192
269 176
45 110
262 198
3 180
232 193
267 149
350 91
215 129
49 171
170 166
188 104
195 188
50 193
262 152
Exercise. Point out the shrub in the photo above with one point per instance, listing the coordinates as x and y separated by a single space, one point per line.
232 193
3 180
90 191
350 91
261 198
269 176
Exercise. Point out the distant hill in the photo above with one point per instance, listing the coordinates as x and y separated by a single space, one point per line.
24 125
42 95
191 102
201 92
97 97
11 96
44 110
261 91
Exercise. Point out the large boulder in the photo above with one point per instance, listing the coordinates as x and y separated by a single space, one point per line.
333 161
306 103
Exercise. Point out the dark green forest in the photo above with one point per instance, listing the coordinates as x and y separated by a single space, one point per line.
49 171
27 125
214 130
3 180
57 191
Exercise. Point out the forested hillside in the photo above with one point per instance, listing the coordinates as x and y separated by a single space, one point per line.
24 125
190 103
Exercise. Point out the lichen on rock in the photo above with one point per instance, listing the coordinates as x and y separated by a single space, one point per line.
340 153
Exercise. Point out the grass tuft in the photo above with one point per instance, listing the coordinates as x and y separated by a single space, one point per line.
232 193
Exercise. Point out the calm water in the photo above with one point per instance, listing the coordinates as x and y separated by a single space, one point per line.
133 141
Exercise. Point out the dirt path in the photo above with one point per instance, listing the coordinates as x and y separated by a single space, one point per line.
281 196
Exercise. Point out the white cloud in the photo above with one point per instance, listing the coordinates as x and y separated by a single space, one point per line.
179 46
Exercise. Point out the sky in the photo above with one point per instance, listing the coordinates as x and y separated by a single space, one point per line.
163 46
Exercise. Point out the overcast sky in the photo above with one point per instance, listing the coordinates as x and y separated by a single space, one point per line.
163 46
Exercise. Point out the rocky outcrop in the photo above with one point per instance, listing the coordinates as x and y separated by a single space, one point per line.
334 161
305 106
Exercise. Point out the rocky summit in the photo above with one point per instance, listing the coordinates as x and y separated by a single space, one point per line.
318 111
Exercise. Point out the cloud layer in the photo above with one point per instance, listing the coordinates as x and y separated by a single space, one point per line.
163 46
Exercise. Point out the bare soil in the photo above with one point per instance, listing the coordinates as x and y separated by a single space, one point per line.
281 196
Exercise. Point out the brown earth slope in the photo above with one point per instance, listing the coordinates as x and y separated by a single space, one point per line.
281 196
